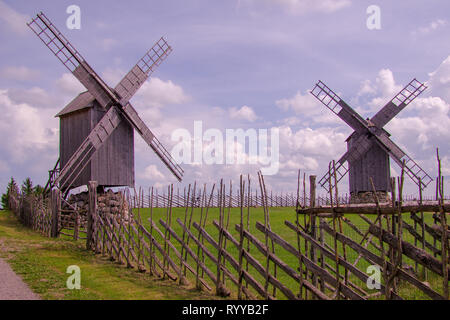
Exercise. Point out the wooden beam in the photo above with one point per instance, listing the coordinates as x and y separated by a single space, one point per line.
286 268
373 258
312 266
368 209
247 276
353 269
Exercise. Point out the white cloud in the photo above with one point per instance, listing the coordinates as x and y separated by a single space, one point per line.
14 20
244 113
324 141
445 164
20 73
430 125
34 96
152 173
308 107
159 93
69 85
439 82
301 104
301 163
28 130
433 26
383 90
366 88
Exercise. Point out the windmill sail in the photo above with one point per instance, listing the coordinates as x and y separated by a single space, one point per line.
398 103
341 171
116 102
72 59
369 134
134 79
338 106
152 141
412 169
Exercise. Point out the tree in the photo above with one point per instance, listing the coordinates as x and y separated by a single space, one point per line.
38 190
27 187
11 189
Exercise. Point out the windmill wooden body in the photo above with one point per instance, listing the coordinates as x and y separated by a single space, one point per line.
113 163
97 127
369 147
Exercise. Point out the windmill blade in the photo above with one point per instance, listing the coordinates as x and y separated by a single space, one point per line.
412 169
134 79
101 132
72 60
339 107
79 160
132 116
398 103
361 144
341 171
76 64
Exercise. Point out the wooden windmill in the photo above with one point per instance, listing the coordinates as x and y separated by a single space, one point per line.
369 146
96 128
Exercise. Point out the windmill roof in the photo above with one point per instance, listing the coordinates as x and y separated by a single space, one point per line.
82 101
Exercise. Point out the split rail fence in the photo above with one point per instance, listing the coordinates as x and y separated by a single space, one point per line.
395 251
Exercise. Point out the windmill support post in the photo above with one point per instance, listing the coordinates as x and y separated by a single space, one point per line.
92 211
56 209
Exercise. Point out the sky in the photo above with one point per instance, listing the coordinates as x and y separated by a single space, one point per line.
235 64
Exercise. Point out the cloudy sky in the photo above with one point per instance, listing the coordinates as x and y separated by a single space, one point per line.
236 64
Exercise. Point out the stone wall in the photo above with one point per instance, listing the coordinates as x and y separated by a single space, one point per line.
368 197
107 203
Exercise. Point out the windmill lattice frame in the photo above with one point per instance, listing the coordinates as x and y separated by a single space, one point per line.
370 133
114 101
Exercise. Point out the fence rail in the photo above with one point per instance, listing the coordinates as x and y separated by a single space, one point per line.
222 244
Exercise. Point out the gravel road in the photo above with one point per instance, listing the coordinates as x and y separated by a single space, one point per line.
11 285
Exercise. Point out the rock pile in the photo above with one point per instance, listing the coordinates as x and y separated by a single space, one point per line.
368 197
113 203
107 203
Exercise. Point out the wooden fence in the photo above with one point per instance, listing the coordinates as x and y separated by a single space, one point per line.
46 216
395 251
254 199
328 260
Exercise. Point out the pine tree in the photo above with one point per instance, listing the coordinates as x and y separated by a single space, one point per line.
38 190
11 189
27 187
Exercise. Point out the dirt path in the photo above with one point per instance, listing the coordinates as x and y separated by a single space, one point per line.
11 285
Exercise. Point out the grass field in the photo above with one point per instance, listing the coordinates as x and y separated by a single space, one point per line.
277 218
42 264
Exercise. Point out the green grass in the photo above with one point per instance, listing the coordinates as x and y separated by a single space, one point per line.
42 264
277 219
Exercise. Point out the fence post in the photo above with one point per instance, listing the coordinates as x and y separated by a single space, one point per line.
92 211
56 208
312 203
76 225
